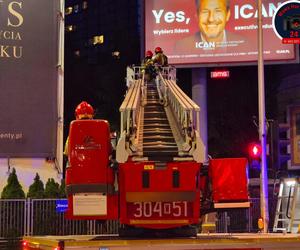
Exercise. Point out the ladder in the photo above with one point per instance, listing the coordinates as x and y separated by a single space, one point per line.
159 122
287 216
158 139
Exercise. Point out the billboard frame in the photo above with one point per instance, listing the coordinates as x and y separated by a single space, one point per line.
295 60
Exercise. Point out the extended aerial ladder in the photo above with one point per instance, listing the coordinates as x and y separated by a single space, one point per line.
159 121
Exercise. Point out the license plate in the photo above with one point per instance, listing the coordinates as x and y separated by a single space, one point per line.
175 209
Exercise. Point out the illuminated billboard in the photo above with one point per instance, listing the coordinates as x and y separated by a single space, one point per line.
28 78
203 32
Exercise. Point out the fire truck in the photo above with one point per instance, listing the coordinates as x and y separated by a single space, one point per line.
159 179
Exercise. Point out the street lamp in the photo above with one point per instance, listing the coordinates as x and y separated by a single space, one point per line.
264 207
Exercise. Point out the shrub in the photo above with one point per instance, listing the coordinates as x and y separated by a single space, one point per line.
13 189
36 189
52 189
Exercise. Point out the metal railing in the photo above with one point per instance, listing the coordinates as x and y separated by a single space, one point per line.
187 114
39 217
130 110
244 220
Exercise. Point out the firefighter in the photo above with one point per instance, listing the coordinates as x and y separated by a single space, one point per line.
147 62
83 111
147 65
160 58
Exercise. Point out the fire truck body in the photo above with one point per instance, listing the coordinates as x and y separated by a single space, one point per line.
229 180
159 196
162 180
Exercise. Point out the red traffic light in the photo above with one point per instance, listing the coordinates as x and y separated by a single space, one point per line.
254 150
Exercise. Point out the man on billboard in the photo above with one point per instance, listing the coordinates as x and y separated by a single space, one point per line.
212 35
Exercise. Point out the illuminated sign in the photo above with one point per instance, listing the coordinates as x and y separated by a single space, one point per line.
286 22
187 36
61 205
217 74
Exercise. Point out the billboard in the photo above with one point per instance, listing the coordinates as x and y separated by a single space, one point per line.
28 78
214 32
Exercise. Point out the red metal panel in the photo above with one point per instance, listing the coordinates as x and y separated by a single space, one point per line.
161 205
229 179
89 150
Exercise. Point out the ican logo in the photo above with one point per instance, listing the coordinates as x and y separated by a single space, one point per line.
205 45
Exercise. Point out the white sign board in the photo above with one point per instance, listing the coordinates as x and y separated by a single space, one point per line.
89 204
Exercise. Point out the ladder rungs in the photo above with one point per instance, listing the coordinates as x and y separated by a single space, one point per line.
285 196
280 229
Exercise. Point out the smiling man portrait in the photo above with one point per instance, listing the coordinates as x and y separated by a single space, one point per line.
213 16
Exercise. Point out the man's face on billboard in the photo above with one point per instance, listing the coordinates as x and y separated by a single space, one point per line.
213 16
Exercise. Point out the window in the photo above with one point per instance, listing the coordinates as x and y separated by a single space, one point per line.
98 40
77 53
84 5
70 28
76 8
68 11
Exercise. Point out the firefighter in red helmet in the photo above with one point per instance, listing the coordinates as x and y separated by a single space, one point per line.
149 54
160 58
147 65
83 111
158 50
147 61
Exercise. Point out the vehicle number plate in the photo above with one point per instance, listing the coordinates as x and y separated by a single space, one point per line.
175 209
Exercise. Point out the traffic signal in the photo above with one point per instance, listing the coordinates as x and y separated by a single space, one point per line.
254 151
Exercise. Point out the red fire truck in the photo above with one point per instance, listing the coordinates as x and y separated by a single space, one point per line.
160 180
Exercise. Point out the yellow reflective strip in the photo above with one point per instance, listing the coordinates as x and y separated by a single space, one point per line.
34 241
148 167
208 225
223 240
139 222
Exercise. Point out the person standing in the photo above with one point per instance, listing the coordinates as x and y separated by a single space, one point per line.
83 111
147 65
160 58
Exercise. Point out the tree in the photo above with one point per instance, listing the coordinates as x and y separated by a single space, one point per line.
62 189
51 189
13 189
36 189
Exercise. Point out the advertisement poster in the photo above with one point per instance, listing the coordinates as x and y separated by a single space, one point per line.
212 31
28 78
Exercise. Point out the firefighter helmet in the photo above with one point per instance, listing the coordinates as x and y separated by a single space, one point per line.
149 53
84 111
158 50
